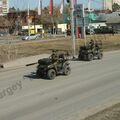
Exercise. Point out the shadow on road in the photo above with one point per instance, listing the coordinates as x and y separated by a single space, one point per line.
33 76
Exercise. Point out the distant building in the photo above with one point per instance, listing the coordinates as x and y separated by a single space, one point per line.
34 29
107 4
117 1
62 27
4 7
112 19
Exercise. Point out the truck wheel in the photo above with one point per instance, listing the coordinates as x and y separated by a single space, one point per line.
51 74
90 57
100 55
67 70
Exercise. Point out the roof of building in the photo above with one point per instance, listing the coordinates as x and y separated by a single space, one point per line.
110 18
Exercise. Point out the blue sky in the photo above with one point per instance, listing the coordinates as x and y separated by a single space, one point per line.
34 3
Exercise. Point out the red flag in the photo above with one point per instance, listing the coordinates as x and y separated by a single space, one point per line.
51 8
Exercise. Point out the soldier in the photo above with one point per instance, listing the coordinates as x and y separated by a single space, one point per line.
92 44
97 45
54 55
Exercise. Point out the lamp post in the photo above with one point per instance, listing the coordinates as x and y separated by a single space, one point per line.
28 12
73 28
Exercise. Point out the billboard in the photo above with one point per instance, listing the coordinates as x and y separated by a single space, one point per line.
3 7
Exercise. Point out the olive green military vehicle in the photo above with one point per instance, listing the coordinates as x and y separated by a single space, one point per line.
92 50
56 64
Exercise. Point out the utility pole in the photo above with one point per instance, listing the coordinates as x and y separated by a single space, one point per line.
28 20
105 4
72 28
40 7
89 5
83 20
34 23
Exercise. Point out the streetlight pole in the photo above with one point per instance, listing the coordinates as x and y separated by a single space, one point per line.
72 28
28 12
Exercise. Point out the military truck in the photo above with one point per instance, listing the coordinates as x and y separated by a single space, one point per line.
55 65
92 50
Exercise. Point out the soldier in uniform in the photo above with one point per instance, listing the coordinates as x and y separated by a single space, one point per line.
54 55
92 44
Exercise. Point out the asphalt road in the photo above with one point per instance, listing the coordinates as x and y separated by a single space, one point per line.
91 84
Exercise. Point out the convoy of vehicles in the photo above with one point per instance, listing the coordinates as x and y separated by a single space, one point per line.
58 62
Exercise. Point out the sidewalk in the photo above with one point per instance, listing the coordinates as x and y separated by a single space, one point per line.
26 61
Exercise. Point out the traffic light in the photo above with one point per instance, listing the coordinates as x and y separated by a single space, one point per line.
68 1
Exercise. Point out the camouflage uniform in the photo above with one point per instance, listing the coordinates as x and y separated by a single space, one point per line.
54 55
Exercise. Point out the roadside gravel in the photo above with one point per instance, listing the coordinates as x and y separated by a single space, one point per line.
111 113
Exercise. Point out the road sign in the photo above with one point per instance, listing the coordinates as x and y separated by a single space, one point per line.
81 22
79 10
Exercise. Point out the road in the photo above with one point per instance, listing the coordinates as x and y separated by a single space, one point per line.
90 84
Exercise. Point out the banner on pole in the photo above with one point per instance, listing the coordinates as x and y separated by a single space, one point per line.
51 8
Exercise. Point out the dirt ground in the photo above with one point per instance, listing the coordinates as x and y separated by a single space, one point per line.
10 52
112 113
